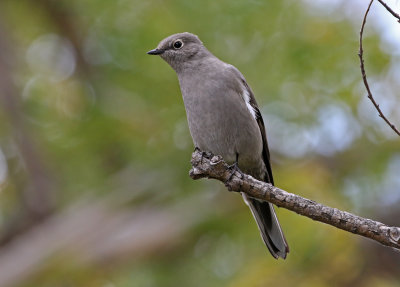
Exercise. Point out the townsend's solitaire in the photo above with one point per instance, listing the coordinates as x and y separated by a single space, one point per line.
225 120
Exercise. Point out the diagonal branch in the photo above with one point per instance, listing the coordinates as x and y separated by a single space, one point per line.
364 76
206 165
390 10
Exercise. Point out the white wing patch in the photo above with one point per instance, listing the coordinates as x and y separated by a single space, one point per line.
246 97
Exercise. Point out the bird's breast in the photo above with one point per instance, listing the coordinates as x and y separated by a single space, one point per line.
220 122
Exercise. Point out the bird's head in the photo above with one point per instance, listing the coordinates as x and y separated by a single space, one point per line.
179 49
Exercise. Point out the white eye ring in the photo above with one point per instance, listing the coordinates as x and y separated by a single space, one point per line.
177 44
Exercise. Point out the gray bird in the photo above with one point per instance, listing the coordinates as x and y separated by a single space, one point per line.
224 119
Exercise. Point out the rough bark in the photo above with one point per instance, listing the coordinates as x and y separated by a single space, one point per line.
206 165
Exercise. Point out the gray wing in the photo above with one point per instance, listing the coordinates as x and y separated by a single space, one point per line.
266 156
263 212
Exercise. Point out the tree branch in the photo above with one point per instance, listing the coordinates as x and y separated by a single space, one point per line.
364 76
390 10
206 165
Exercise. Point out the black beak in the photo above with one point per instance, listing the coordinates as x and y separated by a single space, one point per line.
155 52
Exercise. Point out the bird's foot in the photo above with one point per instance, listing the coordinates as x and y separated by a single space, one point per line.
203 154
232 169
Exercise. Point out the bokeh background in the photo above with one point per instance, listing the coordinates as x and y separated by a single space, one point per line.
95 149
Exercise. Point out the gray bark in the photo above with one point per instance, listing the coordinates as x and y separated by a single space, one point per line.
206 165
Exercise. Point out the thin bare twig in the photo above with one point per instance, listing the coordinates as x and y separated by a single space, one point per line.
390 10
205 165
364 76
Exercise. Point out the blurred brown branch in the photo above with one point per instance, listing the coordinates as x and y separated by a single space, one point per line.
96 232
206 165
66 23
364 76
37 198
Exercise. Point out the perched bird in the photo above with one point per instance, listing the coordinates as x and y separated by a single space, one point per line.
225 120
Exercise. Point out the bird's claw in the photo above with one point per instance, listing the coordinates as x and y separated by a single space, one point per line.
203 154
232 168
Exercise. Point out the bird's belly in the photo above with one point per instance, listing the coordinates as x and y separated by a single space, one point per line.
228 134
217 142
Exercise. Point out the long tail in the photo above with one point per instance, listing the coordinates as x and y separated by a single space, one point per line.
269 226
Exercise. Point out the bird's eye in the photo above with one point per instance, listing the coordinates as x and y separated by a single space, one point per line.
178 44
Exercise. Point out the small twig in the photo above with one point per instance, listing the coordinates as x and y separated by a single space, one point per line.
364 76
205 165
390 10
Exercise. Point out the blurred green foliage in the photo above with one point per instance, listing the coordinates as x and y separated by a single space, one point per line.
108 119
